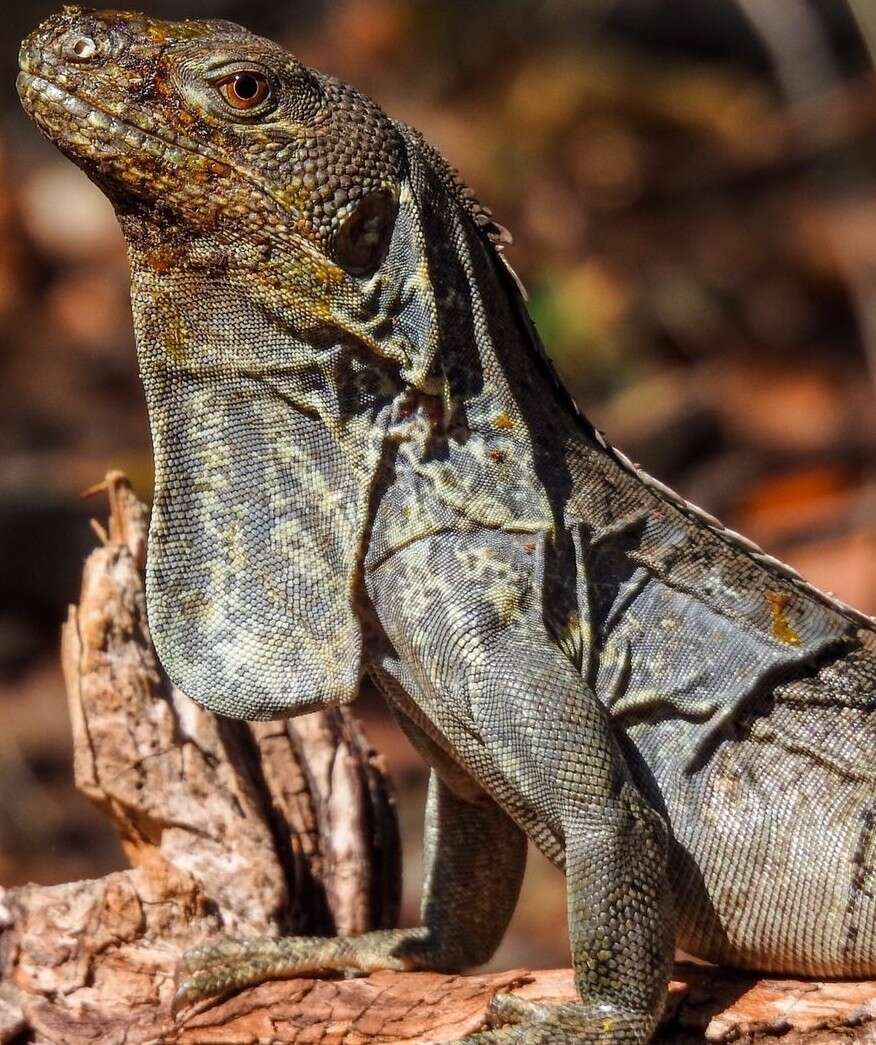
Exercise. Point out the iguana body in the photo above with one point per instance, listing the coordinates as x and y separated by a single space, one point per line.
365 464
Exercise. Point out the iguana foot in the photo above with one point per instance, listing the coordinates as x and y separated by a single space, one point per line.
227 964
520 1022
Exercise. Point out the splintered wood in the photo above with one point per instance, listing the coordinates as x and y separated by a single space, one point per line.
264 829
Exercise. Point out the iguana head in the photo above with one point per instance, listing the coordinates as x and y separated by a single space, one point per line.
208 125
218 146
303 268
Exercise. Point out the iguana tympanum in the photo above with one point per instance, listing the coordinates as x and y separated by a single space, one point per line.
365 465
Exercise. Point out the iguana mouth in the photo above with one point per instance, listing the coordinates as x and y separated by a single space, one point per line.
83 112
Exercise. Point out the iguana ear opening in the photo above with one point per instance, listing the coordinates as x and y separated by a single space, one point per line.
361 242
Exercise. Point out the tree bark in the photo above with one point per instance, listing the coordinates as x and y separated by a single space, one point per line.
268 828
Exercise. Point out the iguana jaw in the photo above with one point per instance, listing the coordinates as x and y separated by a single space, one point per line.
95 138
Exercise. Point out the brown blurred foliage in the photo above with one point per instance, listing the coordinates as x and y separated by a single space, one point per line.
698 262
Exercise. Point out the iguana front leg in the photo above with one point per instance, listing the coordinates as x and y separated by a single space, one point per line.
465 908
470 646
555 747
621 944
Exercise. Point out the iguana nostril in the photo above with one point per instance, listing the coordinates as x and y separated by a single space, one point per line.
79 48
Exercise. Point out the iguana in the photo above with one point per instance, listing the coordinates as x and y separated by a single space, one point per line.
366 465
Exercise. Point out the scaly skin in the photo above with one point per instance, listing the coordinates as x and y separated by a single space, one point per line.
366 464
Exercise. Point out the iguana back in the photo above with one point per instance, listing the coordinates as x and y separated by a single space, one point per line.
749 698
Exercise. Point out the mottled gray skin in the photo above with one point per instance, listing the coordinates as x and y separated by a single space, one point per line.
366 465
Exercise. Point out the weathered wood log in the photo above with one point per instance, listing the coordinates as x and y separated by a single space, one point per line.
244 828
704 1006
268 828
288 826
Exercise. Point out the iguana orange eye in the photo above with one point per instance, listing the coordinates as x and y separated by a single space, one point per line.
244 90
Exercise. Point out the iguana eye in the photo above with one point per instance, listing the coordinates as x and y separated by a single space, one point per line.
244 90
360 243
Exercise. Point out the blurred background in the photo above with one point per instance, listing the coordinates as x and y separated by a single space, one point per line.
692 188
